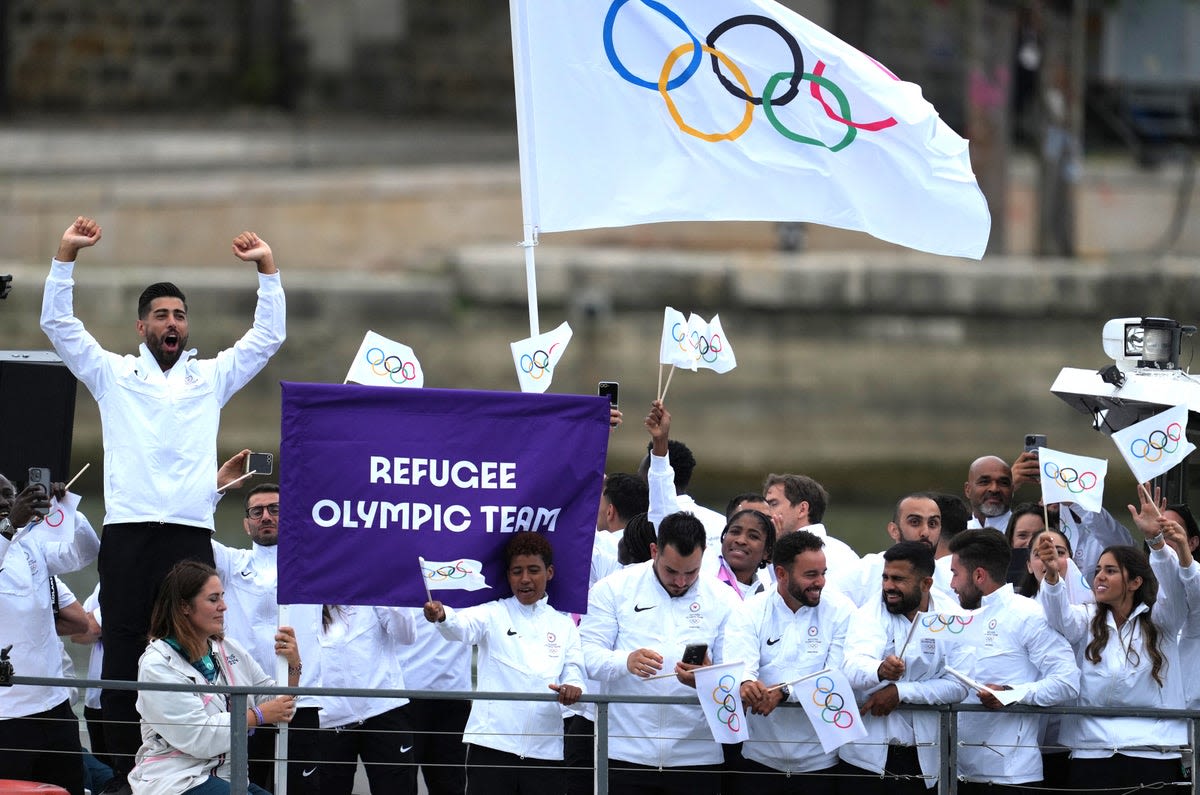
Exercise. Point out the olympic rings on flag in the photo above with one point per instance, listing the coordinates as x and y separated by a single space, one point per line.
722 696
1070 478
539 361
951 623
708 348
832 703
739 87
399 371
1159 442
443 573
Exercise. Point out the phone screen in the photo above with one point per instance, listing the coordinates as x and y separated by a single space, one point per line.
610 390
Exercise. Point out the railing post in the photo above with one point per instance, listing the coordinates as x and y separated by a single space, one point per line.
239 766
948 756
601 748
1193 735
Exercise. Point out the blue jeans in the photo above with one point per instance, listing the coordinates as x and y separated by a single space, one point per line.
219 786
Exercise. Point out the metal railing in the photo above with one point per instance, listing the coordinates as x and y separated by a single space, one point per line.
948 727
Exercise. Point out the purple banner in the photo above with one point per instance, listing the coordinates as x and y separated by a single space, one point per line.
371 478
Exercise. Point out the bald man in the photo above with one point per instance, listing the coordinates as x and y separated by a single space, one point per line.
989 492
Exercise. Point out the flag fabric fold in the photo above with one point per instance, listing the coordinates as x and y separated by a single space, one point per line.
1155 445
710 347
639 111
1072 478
384 362
536 357
719 689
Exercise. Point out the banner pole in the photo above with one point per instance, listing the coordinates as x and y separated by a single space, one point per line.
525 134
281 738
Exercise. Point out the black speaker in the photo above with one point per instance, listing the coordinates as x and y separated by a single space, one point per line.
37 414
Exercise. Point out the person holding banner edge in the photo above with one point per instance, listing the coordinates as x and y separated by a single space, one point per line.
524 645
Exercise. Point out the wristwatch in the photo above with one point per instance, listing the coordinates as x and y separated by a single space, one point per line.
786 692
6 528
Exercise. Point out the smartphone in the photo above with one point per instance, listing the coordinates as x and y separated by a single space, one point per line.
609 389
1033 441
693 653
40 476
260 463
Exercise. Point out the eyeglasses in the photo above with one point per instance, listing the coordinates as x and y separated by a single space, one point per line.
257 511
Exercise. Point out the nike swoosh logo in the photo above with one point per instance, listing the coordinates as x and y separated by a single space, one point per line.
307 773
773 642
639 608
510 632
404 749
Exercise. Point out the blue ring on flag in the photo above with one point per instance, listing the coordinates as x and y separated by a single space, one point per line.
609 50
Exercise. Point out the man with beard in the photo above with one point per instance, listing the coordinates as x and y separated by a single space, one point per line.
782 635
638 624
251 579
900 753
917 517
159 411
989 491
1015 648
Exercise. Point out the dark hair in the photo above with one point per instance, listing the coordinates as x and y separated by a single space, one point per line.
801 488
158 290
182 584
528 543
917 553
261 488
1133 563
1024 509
983 549
683 531
738 499
768 528
682 462
634 544
1030 584
916 495
1189 521
792 544
955 514
628 494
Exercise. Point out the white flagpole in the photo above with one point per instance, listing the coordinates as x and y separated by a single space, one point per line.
525 132
281 738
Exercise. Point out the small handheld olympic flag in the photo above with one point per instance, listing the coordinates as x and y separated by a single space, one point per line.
829 704
719 689
675 348
949 628
1153 446
384 362
1072 478
447 575
536 357
710 346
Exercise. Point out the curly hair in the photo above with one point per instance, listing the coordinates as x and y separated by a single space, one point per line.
528 543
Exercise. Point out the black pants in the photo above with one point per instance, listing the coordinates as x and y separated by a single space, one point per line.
626 778
980 788
579 755
438 748
383 742
1120 773
134 560
762 780
43 747
492 772
901 776
304 774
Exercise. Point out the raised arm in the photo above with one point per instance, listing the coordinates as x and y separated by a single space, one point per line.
661 477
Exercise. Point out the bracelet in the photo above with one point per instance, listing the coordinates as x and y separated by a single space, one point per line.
261 720
1154 541
295 671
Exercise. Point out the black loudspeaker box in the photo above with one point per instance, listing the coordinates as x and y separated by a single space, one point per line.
37 414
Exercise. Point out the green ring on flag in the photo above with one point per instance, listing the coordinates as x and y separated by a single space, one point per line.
838 94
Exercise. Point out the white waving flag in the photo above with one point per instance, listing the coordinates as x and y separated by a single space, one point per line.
384 362
59 522
1153 446
676 347
829 703
950 628
674 110
463 574
1072 478
709 344
536 357
719 689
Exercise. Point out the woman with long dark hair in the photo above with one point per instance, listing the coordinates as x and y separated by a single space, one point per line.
186 737
1128 654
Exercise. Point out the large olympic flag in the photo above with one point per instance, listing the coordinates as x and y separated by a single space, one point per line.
637 111
372 479
1155 445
